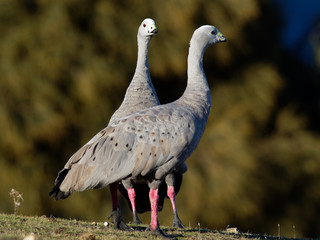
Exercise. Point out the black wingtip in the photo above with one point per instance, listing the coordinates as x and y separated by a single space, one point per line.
56 192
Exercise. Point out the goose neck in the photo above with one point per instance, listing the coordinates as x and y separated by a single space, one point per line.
195 61
142 61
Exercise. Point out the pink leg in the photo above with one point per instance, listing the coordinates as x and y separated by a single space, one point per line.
114 196
154 197
132 197
171 195
176 220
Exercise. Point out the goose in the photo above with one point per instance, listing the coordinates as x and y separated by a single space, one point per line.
150 144
140 95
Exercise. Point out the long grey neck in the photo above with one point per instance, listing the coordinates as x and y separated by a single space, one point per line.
197 85
196 76
142 67
141 81
140 94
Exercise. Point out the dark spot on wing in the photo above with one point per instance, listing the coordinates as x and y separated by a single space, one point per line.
94 150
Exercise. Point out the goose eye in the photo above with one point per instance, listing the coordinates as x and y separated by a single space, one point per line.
144 25
213 32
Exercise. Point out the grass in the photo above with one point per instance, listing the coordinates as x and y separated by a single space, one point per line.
16 227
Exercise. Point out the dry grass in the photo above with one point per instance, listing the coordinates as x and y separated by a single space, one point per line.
17 227
17 198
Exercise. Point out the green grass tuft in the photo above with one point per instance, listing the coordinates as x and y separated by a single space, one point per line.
16 227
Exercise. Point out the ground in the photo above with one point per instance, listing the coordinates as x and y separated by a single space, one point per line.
17 227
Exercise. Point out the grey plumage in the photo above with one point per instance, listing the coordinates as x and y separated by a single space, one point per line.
140 94
151 143
140 144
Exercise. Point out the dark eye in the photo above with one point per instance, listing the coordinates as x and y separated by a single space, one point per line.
213 32
144 25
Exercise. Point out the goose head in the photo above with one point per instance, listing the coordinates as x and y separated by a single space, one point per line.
207 35
147 28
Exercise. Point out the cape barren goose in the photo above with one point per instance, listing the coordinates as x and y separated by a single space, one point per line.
139 95
150 144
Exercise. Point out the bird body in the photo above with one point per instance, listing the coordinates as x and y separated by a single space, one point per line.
139 95
149 144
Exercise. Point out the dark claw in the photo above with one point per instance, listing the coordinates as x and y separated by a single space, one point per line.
136 220
118 222
121 225
159 233
177 222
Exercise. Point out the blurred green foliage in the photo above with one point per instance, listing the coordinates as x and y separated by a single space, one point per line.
64 69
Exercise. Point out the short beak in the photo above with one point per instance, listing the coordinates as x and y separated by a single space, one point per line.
221 37
154 29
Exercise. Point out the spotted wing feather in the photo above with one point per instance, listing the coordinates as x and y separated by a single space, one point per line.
138 144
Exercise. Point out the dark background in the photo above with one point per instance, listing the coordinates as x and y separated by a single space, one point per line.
64 69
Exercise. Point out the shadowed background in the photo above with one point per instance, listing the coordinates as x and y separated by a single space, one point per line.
64 69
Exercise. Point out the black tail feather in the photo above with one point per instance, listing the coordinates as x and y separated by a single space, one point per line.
56 192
